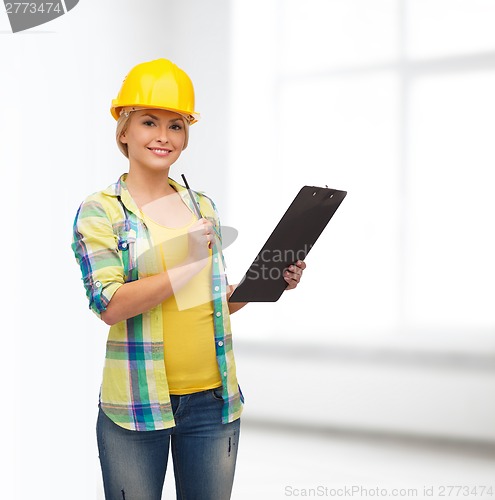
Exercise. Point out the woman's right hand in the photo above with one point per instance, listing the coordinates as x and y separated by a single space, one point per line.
200 236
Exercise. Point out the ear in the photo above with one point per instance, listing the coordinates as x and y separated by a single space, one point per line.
123 138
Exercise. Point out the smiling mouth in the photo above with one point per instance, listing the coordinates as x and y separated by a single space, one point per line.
160 151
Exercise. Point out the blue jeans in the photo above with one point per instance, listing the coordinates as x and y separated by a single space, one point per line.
204 453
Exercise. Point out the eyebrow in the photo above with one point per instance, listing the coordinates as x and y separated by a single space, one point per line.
156 117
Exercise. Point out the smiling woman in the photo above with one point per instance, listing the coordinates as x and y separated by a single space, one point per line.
156 275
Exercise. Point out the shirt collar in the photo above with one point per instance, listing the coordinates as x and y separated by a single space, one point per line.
119 189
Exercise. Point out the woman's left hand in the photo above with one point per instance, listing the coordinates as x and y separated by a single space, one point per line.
294 273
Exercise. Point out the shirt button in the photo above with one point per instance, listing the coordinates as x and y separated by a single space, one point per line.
219 314
216 259
97 284
220 343
124 244
224 374
217 288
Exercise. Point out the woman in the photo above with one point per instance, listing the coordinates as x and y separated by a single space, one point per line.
155 274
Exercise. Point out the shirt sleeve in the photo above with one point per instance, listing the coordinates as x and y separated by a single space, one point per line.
95 247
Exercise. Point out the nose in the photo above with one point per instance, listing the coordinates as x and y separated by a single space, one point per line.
162 134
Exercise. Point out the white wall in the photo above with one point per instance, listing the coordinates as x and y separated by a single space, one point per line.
57 146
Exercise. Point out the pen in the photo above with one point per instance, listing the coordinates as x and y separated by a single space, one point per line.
195 205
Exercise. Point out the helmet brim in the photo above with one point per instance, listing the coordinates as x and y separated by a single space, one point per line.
190 117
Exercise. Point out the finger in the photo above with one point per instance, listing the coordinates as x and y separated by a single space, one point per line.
292 278
291 284
203 223
294 270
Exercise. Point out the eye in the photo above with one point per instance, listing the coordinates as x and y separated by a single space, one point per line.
176 126
149 123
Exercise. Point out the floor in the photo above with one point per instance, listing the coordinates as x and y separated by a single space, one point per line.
275 464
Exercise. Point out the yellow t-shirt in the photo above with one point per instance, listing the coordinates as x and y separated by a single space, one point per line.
188 333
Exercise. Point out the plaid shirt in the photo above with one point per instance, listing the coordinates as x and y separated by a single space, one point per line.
112 246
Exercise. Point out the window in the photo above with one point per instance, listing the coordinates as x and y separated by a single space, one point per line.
393 101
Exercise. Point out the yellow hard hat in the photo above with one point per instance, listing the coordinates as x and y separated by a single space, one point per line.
157 84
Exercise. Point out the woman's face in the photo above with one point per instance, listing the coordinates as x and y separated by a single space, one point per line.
155 138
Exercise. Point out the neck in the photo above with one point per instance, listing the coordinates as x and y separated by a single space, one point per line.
148 186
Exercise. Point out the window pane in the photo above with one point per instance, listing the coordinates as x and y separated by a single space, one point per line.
450 264
450 27
321 34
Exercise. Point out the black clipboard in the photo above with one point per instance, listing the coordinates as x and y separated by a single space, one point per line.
291 240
